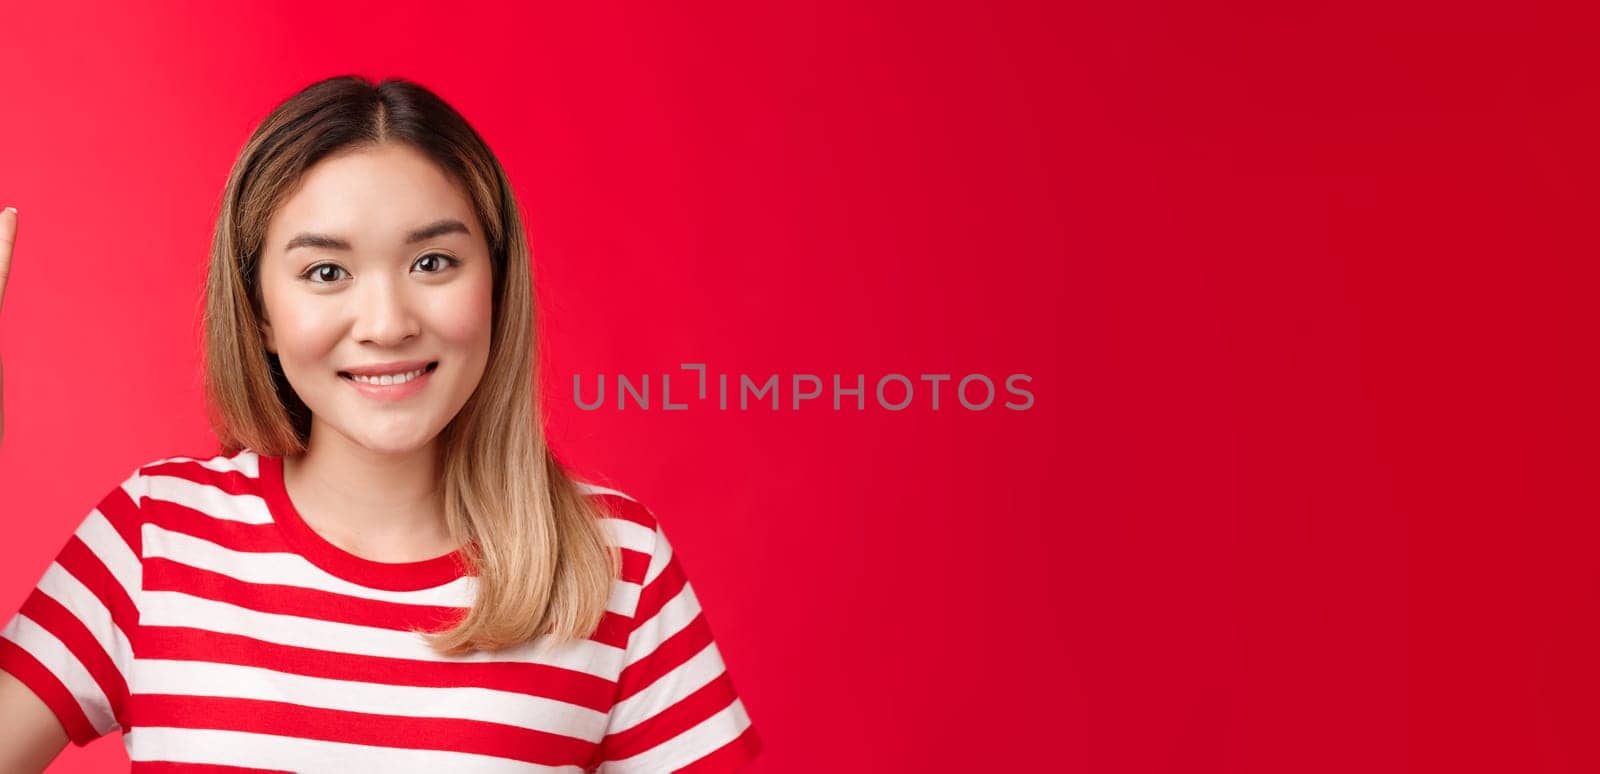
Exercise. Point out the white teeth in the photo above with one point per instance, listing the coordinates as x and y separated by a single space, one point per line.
388 378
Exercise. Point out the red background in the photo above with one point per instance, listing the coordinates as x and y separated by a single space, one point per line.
1306 292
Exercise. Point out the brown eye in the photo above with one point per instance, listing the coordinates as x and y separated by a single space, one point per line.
323 273
439 260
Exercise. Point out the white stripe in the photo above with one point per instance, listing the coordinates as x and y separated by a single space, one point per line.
308 756
290 569
59 660
587 488
630 534
65 588
624 598
107 545
247 462
208 499
284 568
133 487
669 620
659 556
244 461
669 689
687 747
199 678
172 608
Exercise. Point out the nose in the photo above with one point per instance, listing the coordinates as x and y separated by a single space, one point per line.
385 314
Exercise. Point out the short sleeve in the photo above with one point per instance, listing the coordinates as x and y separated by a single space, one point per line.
676 707
69 641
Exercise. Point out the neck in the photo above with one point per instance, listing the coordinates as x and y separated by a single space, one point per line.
383 506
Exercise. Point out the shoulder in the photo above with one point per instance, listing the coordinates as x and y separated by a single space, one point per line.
148 492
175 476
244 462
631 525
615 503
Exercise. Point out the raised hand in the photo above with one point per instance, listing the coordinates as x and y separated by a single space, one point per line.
8 237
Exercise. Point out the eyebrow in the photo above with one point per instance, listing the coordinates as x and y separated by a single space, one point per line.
430 231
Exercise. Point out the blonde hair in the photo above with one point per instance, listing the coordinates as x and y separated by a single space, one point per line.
543 563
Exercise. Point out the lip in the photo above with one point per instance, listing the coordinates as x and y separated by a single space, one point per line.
393 391
379 369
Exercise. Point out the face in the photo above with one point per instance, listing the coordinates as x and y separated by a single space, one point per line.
376 264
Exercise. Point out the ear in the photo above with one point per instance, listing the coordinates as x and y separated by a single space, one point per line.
266 337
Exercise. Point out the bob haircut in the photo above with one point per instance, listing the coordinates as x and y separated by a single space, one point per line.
526 528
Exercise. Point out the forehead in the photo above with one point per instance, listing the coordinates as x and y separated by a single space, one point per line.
371 194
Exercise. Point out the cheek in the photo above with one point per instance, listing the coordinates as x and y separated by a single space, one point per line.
304 333
465 316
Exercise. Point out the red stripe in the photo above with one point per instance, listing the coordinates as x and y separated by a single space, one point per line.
67 627
166 575
542 680
230 481
613 630
23 666
81 561
667 724
669 655
123 513
237 483
236 535
164 767
393 731
730 757
627 510
655 596
635 564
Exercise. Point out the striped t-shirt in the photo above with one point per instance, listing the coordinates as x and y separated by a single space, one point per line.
196 611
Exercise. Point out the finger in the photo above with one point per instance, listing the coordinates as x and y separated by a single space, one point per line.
8 237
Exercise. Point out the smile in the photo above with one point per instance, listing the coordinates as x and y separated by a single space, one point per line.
390 378
391 386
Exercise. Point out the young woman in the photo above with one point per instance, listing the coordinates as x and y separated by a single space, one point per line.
385 568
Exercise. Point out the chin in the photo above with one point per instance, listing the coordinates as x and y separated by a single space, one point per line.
400 442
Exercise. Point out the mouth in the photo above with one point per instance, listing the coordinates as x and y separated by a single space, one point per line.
388 380
399 386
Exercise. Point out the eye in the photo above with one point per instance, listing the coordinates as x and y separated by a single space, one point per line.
320 274
438 259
